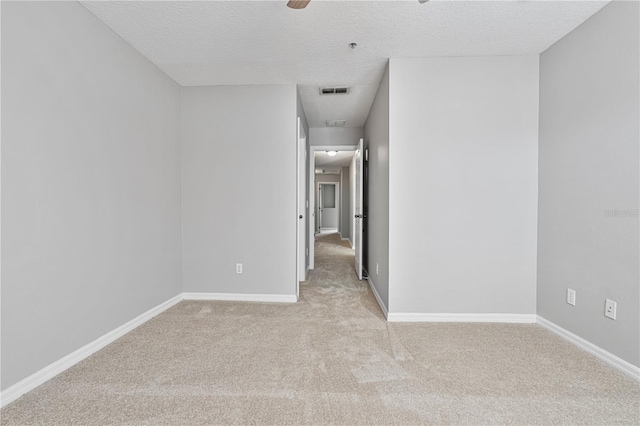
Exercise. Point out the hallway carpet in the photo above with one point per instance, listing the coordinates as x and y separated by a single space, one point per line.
329 359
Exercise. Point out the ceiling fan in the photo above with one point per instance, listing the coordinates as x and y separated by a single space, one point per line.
298 4
301 4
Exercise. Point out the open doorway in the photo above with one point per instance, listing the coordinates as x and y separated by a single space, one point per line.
332 211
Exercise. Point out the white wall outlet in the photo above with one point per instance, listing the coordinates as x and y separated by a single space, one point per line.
571 297
377 269
238 268
610 308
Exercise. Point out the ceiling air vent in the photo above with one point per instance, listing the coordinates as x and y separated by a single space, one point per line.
335 123
334 90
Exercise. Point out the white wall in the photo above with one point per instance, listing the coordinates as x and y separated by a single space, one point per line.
90 184
326 136
376 140
463 185
589 150
231 136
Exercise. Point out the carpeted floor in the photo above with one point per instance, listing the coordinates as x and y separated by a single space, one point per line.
329 359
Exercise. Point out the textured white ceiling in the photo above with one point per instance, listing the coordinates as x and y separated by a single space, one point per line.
264 42
341 159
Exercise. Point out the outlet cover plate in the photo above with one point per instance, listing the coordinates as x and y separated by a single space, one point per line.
571 297
610 308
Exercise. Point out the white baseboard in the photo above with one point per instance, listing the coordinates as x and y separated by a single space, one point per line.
385 312
346 239
25 385
278 298
327 230
597 351
424 317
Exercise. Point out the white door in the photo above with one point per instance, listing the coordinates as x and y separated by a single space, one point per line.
359 214
319 220
329 206
302 205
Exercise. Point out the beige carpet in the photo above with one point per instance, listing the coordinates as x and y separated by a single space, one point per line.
330 359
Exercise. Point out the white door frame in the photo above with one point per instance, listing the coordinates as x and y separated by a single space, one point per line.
359 213
312 177
301 210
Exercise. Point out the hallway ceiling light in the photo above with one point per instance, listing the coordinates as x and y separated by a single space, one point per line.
332 153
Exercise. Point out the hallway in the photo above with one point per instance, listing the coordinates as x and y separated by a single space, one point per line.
333 283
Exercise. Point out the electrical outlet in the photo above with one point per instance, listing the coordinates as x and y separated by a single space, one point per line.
571 297
610 308
238 268
377 269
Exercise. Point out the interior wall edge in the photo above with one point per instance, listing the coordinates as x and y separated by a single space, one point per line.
383 307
